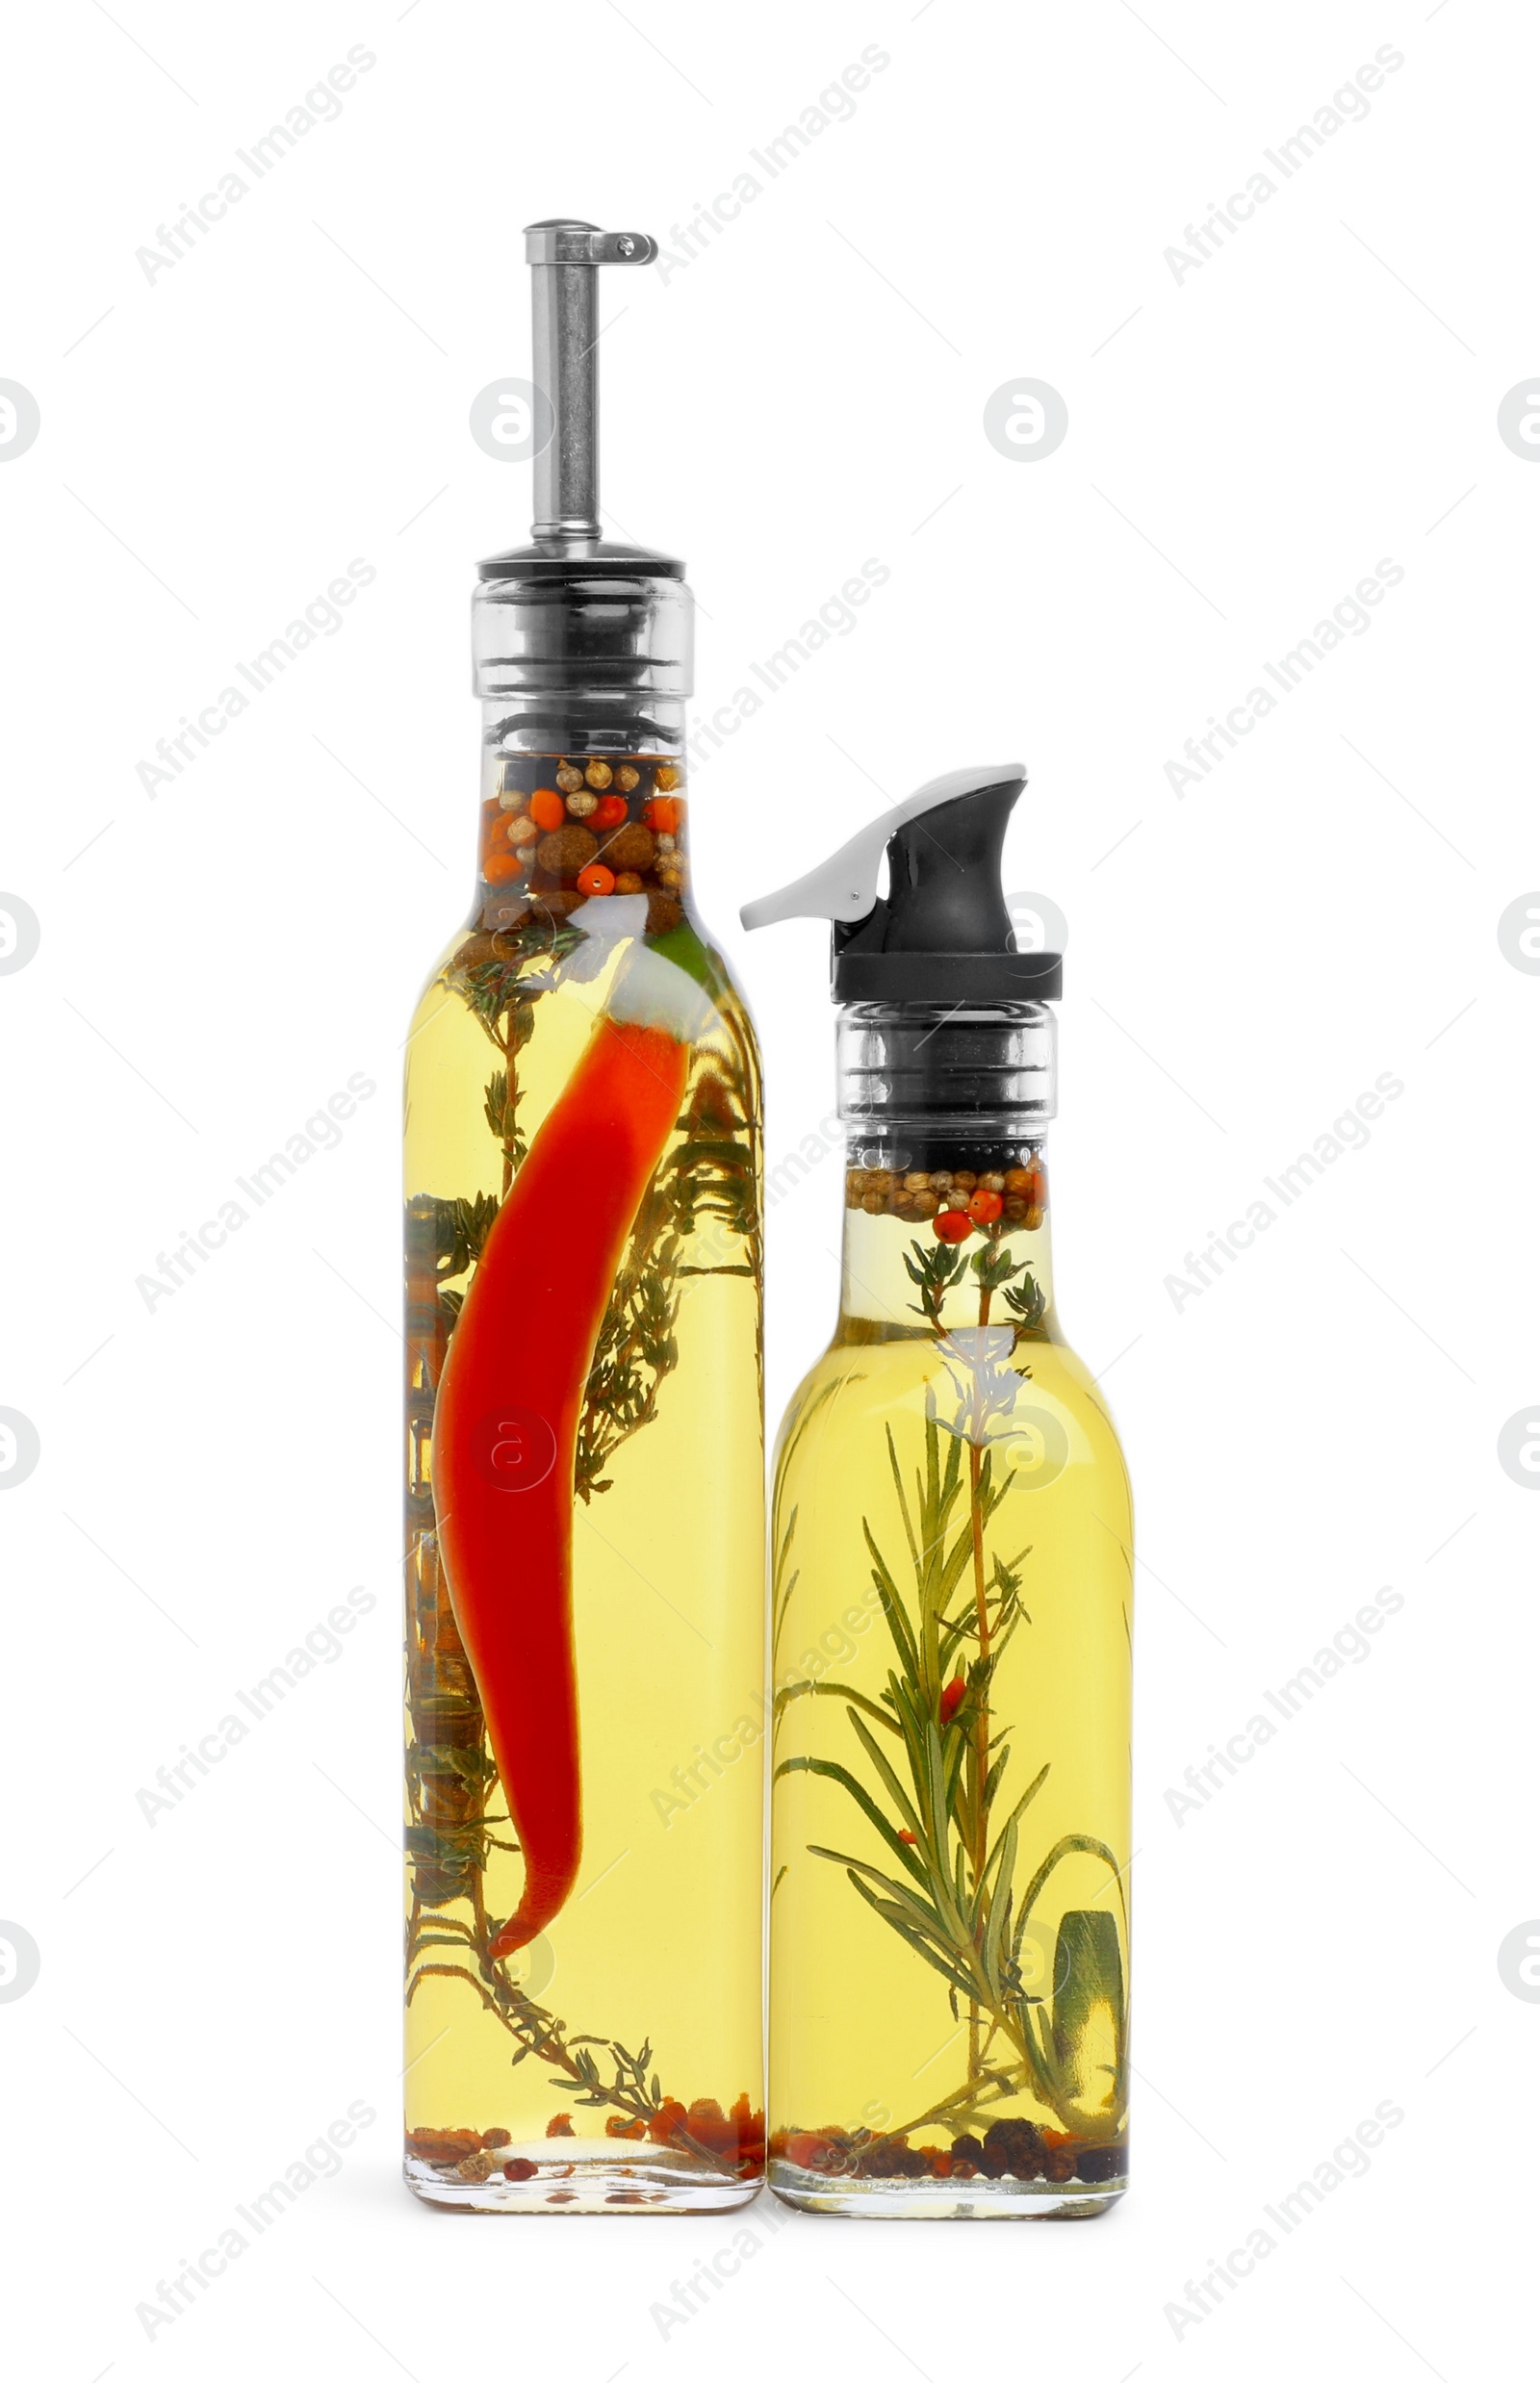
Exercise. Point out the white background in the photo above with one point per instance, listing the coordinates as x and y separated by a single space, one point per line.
1245 444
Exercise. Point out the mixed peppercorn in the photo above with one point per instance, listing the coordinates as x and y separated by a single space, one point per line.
955 1201
1010 2147
561 831
733 2138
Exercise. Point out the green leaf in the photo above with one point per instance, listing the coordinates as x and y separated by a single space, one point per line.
880 1822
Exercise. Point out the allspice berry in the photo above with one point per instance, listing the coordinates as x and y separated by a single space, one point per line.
631 847
566 851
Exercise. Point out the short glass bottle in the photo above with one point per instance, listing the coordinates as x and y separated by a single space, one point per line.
951 1587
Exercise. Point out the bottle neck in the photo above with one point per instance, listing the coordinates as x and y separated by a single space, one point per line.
945 1108
582 799
944 1235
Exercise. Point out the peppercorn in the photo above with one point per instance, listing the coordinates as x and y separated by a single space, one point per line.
598 775
1058 2162
628 883
631 847
1098 2163
626 779
1014 2147
566 851
583 805
670 873
567 779
966 2148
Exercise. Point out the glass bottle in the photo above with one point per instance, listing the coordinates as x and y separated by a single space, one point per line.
585 1553
951 1606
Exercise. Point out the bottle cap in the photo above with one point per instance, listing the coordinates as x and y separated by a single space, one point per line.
942 934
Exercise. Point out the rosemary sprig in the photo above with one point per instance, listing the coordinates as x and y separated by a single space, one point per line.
927 1774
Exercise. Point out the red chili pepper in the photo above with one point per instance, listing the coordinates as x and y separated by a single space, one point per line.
508 1405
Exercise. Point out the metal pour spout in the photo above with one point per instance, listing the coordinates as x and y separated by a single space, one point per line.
564 254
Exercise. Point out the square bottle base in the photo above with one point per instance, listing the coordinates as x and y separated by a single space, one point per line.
580 2179
924 2196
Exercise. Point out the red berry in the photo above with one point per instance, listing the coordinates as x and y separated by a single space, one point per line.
596 879
984 1206
609 812
953 1224
951 1695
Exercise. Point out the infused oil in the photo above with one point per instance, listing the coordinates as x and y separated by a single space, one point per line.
951 1602
584 1510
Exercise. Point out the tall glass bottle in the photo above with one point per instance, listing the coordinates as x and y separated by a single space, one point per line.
951 1578
584 1569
